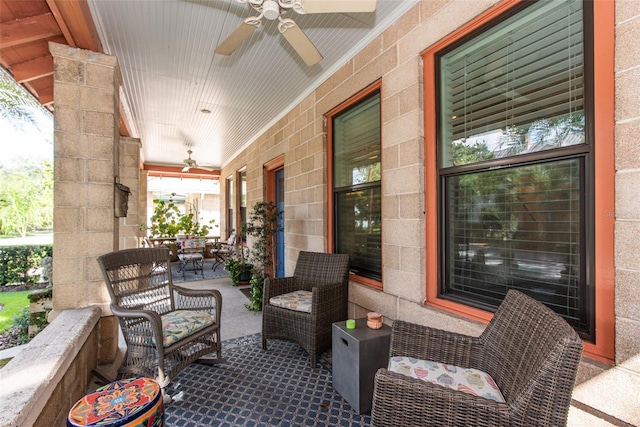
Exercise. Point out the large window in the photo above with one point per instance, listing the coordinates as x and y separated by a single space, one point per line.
231 202
355 183
242 200
515 162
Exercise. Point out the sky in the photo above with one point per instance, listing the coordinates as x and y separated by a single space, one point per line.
28 142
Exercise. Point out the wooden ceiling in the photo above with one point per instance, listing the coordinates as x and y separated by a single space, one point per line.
27 27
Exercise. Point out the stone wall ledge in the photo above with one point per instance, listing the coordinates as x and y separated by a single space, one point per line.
27 382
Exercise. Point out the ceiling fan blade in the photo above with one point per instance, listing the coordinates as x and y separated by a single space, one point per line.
338 6
302 45
235 39
186 169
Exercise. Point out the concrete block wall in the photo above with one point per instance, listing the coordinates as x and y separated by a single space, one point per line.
627 162
42 382
394 57
72 386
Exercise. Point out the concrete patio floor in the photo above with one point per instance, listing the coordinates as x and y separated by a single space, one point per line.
611 398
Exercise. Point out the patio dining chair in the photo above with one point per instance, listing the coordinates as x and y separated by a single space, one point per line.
301 308
222 251
165 327
519 372
190 251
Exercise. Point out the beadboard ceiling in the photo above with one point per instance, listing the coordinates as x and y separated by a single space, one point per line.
170 72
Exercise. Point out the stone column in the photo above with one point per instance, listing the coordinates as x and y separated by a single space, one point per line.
143 200
130 233
86 156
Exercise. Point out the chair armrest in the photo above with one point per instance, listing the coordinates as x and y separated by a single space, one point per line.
198 299
423 342
402 400
136 323
326 297
278 286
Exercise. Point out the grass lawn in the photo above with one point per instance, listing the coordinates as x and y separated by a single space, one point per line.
13 303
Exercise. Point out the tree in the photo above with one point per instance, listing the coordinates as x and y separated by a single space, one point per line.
263 227
26 196
17 106
168 221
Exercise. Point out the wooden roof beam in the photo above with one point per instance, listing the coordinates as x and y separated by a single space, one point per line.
61 23
76 16
33 69
45 95
27 30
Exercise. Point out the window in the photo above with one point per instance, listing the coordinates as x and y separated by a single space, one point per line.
230 206
242 200
515 162
355 199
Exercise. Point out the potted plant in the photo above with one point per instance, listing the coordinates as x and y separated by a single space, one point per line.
240 270
263 227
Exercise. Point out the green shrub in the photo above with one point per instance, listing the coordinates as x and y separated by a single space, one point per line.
13 303
16 261
22 320
257 285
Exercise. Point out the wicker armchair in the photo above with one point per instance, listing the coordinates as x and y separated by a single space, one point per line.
165 327
531 353
326 276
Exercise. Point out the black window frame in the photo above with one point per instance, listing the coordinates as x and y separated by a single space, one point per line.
584 152
370 276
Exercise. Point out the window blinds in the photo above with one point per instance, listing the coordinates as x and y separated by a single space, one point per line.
518 72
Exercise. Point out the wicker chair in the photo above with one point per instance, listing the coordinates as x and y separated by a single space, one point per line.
326 276
531 353
165 327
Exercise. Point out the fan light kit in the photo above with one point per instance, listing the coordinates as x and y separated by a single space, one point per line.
272 10
190 163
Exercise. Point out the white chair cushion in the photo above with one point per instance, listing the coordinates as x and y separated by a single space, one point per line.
190 256
468 380
296 300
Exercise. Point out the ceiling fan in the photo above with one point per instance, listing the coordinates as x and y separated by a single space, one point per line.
275 9
189 164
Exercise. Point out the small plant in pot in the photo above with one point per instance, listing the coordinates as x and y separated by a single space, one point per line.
263 227
240 270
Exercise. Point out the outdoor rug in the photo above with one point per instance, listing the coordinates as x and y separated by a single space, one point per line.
192 276
260 388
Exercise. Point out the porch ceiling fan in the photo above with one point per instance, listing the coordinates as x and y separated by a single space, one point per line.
275 9
190 163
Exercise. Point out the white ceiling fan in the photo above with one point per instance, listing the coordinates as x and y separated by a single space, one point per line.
189 164
275 9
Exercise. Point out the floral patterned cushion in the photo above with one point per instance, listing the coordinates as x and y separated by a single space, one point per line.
296 300
468 380
182 323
